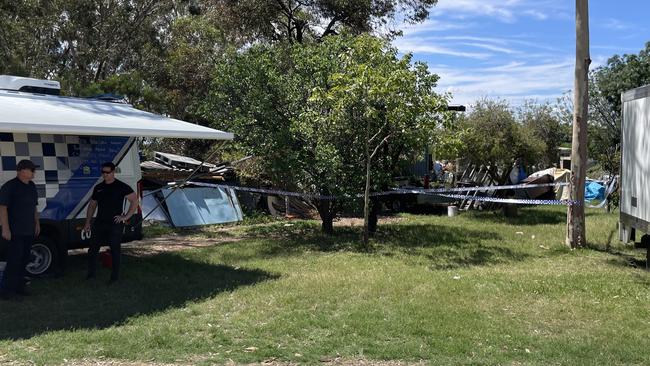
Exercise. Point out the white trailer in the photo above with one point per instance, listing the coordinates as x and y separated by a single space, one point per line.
69 138
635 166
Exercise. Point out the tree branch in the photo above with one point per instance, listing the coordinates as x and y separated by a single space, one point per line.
378 132
330 27
284 7
376 150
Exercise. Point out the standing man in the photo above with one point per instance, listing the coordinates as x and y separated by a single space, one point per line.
20 225
109 224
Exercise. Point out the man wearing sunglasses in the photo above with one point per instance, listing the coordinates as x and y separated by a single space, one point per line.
108 227
20 225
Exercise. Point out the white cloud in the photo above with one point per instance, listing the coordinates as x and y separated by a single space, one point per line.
424 47
536 14
491 47
433 25
509 42
514 81
507 11
503 10
615 24
515 66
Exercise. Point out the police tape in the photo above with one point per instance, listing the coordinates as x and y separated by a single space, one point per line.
396 191
519 201
442 192
262 191
477 189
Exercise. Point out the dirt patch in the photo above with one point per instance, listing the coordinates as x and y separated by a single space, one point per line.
172 243
201 239
353 221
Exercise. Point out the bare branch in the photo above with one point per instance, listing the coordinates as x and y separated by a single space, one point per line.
378 133
385 140
330 27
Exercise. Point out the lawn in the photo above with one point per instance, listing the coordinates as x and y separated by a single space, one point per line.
473 289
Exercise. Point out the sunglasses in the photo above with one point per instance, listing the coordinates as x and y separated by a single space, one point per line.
107 171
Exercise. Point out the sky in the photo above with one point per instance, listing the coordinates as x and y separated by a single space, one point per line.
519 49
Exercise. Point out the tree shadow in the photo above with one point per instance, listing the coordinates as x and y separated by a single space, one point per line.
148 285
527 216
441 246
627 261
619 258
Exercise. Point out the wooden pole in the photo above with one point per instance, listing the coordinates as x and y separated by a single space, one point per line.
576 232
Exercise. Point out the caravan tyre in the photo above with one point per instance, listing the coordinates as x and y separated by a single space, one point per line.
42 256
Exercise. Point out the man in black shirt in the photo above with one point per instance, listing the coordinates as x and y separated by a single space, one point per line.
108 227
20 225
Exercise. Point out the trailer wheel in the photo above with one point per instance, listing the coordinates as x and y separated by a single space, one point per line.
42 256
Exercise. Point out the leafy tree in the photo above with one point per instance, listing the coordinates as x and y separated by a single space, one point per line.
493 137
82 42
378 102
297 21
312 112
545 125
176 81
621 73
28 39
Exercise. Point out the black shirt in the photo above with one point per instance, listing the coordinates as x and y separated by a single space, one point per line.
110 200
21 200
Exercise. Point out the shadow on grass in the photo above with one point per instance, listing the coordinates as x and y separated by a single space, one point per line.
626 259
440 246
527 216
148 285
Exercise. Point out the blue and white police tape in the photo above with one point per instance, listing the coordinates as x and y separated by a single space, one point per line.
519 201
263 191
447 193
375 194
474 189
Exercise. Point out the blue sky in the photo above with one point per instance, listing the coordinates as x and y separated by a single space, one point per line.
519 49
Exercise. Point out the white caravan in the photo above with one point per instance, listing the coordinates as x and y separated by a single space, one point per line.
69 138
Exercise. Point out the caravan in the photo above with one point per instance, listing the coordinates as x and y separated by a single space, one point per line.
69 139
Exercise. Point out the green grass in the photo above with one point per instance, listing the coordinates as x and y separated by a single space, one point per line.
474 289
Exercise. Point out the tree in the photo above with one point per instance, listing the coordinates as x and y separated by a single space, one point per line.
383 103
492 136
84 42
576 231
607 83
298 21
309 112
28 39
545 125
176 81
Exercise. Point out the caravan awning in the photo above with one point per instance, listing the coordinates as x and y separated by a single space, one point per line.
33 113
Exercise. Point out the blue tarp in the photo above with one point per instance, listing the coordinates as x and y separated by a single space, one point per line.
594 191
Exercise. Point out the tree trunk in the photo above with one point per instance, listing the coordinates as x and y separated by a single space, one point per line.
575 236
374 216
366 197
326 212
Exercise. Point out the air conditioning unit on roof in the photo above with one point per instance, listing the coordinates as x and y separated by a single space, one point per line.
29 85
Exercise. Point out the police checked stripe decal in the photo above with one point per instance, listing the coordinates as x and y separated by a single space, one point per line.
69 166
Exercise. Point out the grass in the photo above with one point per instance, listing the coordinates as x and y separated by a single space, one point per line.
474 289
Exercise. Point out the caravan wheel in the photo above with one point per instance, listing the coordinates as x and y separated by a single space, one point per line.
42 256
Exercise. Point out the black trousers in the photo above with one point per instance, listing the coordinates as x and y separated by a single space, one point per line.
18 255
106 234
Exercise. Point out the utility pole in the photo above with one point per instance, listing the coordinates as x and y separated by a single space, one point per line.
576 232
